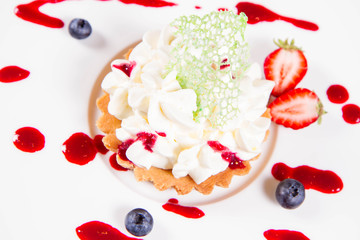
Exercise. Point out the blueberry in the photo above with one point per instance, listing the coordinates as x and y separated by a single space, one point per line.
79 28
139 222
290 193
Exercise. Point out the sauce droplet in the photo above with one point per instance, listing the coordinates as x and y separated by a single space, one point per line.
99 144
125 67
29 139
186 211
30 12
234 161
114 164
273 234
337 94
257 13
79 149
11 74
96 230
321 180
351 113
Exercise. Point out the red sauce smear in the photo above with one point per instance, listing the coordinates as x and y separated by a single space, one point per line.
257 13
321 180
29 139
161 134
31 12
197 7
190 212
115 165
126 67
96 230
11 74
351 113
123 147
79 149
273 234
234 161
337 94
100 147
149 3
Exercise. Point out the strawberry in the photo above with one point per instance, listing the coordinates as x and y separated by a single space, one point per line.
286 66
296 108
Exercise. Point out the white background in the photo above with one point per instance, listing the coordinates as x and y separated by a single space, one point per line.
42 196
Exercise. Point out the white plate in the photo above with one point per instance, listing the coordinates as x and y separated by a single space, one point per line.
43 196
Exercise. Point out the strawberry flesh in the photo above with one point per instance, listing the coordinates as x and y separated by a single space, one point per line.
286 67
296 108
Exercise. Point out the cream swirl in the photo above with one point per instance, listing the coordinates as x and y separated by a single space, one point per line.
148 102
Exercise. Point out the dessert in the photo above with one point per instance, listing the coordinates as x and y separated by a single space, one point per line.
185 109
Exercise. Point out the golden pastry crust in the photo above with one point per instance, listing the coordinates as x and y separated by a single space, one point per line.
163 179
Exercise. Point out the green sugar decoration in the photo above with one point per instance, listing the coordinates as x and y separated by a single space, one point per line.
210 56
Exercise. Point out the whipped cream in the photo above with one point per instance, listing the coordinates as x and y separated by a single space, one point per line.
148 100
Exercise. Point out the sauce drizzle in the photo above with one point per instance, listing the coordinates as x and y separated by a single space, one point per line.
257 13
190 212
324 181
96 230
11 74
273 234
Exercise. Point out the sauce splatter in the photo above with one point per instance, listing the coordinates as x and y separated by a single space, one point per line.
186 211
321 180
273 234
257 13
30 12
337 94
114 164
96 230
11 74
351 113
29 139
79 149
125 67
100 147
234 161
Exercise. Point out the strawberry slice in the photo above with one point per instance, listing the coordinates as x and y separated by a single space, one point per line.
296 108
286 66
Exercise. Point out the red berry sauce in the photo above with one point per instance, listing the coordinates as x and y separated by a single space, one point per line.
321 180
337 94
123 147
29 139
100 147
114 164
11 74
79 149
351 113
30 12
257 13
149 3
273 234
161 134
234 161
96 230
190 212
125 67
148 140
